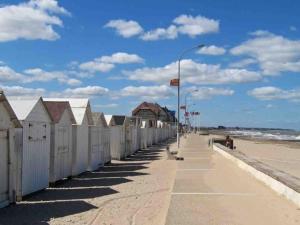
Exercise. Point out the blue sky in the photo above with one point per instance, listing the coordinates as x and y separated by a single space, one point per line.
119 53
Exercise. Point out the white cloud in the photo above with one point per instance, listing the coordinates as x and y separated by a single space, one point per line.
39 75
147 92
32 20
269 106
209 92
212 50
160 33
96 66
273 93
121 58
194 26
183 24
275 54
88 92
194 73
112 105
7 74
125 28
107 63
18 91
293 28
242 63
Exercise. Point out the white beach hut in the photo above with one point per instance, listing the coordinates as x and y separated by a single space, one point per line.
135 137
144 134
83 115
99 149
61 140
8 159
32 145
117 136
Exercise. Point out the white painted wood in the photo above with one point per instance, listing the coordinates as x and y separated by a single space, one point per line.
33 143
4 167
96 151
117 142
61 148
81 147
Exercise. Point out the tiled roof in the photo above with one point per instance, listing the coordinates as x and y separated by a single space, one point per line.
56 110
154 107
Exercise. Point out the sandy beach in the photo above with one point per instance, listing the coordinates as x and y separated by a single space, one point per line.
281 157
134 191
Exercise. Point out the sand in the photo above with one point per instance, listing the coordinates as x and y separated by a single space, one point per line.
283 156
135 191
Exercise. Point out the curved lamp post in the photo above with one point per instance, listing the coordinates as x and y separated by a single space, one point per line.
178 105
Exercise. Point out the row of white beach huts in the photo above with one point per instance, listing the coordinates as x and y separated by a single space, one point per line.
46 140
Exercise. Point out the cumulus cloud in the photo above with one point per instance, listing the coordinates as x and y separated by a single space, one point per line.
183 24
88 92
194 73
242 63
273 93
96 66
121 58
147 92
32 20
160 33
212 50
111 105
40 75
208 92
18 91
275 54
107 63
194 26
7 74
125 28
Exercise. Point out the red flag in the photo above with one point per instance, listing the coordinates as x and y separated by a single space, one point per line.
174 82
183 107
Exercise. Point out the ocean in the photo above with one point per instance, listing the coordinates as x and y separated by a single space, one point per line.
265 134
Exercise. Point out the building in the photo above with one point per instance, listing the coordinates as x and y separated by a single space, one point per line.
153 112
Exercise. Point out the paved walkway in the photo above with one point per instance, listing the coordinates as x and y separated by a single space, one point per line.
211 190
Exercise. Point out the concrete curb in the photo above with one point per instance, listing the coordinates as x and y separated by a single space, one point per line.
274 184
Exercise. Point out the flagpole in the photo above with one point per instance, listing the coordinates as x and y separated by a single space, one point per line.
178 90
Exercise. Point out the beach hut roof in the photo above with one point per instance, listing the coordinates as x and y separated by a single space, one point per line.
13 116
79 106
108 119
23 107
57 109
119 120
99 116
115 120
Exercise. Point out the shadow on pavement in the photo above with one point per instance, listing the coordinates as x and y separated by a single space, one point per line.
67 196
41 213
52 194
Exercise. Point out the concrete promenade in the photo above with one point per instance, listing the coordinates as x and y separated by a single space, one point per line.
210 189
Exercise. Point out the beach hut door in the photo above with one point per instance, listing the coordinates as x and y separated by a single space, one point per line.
4 167
63 151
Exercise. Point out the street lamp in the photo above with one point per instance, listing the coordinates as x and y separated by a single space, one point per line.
179 82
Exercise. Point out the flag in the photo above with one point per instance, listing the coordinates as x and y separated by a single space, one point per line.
186 114
174 82
183 107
